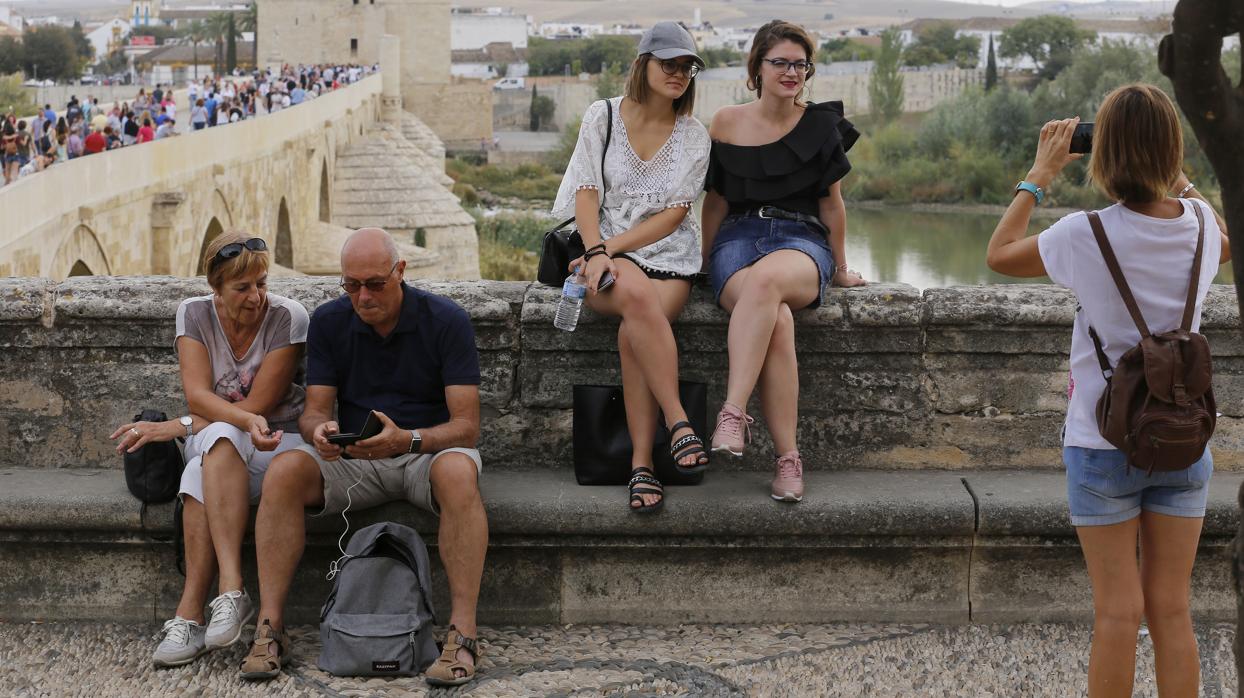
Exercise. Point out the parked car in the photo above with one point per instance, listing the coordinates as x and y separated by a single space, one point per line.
509 84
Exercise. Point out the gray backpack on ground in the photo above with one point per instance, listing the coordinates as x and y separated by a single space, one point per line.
378 618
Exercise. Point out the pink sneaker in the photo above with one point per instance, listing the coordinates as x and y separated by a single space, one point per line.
732 432
788 482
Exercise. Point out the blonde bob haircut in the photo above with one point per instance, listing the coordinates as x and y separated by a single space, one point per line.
245 264
638 90
1138 145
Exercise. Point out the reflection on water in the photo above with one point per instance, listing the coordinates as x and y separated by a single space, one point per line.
928 250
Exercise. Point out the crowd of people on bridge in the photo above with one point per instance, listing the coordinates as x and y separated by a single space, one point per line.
771 238
85 127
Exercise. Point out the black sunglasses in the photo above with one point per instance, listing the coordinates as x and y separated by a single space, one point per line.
234 249
351 286
671 67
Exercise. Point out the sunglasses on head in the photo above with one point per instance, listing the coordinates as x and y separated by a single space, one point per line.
234 249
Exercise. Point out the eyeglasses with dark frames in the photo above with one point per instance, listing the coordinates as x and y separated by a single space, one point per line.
669 66
783 66
234 249
351 287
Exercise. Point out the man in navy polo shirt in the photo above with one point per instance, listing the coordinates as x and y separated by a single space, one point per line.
410 357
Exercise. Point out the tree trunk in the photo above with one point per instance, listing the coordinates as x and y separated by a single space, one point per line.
1191 56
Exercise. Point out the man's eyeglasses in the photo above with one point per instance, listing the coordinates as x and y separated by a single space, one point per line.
351 287
783 66
234 249
670 66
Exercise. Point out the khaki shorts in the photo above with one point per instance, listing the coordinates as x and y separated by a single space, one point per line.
356 483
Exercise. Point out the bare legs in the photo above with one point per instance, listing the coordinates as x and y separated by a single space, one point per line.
293 483
226 496
200 560
647 307
1157 589
761 339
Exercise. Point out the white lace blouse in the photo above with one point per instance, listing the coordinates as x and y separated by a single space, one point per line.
635 189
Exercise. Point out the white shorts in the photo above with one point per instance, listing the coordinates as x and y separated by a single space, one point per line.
256 461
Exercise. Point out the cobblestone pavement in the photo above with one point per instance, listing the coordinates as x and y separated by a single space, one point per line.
692 660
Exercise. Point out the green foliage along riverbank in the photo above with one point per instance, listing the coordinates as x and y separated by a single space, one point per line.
974 148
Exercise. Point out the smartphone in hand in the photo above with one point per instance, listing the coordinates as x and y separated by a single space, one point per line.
370 428
1082 138
606 281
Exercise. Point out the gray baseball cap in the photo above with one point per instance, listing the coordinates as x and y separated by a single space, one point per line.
667 40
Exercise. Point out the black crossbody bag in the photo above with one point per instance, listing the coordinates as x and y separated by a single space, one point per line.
563 243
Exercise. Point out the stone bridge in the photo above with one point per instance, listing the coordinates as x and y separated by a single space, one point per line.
298 178
929 427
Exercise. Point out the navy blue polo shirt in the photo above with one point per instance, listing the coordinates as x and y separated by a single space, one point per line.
403 375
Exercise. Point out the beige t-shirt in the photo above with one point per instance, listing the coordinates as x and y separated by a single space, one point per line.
284 324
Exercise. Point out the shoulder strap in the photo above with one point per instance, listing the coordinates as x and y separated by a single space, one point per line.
1112 263
603 153
1194 285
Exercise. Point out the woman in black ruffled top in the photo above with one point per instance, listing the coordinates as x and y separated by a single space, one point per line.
774 235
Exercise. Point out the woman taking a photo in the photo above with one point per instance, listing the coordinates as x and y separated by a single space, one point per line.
774 235
643 237
240 351
1137 161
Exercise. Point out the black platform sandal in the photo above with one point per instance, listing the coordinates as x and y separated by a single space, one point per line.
644 481
689 445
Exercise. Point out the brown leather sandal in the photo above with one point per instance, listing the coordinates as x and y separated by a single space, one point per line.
269 652
442 673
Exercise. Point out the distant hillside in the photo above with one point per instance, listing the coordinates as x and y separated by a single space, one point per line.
1107 9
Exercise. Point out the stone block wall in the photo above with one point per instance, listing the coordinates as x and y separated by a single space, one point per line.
966 378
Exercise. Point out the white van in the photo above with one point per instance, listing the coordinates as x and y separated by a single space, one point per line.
509 84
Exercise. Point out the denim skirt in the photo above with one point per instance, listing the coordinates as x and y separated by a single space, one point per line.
742 240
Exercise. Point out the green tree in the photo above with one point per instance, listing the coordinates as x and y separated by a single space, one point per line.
112 64
219 25
12 55
608 50
248 21
231 45
1049 40
940 42
551 56
721 56
85 49
885 86
991 68
160 32
53 49
196 33
842 50
609 82
15 98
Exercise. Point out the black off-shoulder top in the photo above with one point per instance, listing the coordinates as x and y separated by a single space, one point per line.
793 172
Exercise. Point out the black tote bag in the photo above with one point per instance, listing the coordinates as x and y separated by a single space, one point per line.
602 443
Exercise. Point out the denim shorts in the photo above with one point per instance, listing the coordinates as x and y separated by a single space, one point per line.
742 240
1102 489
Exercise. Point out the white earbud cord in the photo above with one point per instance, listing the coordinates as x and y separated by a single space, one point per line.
335 566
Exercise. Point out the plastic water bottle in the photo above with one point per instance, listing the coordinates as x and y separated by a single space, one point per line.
574 290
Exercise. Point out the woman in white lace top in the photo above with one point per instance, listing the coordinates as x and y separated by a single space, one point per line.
643 236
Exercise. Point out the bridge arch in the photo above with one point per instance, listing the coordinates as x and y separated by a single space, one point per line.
79 254
214 229
284 252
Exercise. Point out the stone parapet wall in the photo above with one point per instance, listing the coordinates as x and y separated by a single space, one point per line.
969 378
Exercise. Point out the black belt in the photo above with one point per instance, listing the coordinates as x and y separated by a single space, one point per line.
775 212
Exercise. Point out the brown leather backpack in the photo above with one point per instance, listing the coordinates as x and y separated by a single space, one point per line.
1158 406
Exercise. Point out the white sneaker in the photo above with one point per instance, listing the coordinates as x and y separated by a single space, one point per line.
182 643
230 612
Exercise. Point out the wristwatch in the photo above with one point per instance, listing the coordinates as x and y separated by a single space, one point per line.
1032 189
188 423
416 441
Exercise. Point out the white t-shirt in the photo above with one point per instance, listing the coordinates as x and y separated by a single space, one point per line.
1155 255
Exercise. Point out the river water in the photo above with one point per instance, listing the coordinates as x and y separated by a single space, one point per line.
928 250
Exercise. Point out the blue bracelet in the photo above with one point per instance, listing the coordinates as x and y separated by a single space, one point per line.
1031 189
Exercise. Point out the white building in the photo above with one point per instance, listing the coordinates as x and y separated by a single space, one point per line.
109 34
11 20
569 30
497 59
475 28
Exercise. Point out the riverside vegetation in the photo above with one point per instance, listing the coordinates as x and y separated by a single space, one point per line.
970 150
